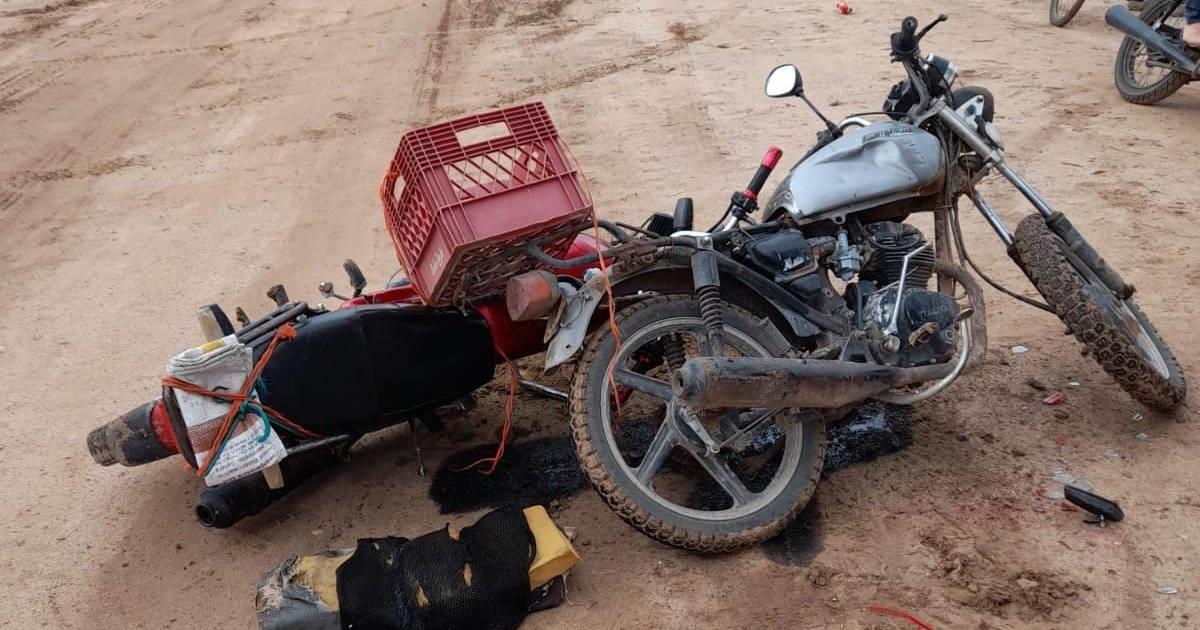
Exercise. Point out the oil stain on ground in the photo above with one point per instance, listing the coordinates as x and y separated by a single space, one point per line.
532 472
873 430
542 470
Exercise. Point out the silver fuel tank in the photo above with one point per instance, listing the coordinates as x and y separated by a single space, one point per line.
867 167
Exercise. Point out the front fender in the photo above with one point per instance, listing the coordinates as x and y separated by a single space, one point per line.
568 329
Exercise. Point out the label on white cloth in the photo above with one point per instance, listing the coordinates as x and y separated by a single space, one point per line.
223 365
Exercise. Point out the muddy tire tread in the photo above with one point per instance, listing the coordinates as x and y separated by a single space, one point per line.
626 508
1062 286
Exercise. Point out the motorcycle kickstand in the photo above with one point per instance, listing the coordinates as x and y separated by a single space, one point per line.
544 391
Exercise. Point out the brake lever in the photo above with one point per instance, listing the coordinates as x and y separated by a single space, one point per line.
928 27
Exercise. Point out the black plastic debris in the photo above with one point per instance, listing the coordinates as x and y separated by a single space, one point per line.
1102 509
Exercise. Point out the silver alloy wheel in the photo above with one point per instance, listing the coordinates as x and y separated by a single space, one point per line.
668 436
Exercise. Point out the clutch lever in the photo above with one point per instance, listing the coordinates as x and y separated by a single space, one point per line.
928 27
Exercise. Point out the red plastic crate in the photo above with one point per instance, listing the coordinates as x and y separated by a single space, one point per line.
461 214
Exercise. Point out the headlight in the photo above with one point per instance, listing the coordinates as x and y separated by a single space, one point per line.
951 73
944 67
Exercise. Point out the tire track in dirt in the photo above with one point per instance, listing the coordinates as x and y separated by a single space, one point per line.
640 57
51 7
328 29
214 47
20 85
682 36
19 179
434 64
38 20
457 18
23 81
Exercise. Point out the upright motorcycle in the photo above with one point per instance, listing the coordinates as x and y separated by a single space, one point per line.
703 385
1153 61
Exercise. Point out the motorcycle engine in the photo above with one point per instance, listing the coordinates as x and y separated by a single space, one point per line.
924 328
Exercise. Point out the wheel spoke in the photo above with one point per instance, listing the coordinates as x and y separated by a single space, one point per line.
656 453
643 383
721 473
759 420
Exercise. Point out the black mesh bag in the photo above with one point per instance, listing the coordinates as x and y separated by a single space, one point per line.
440 581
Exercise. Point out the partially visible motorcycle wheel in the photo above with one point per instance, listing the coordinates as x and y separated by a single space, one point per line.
1115 331
654 471
1136 79
1061 11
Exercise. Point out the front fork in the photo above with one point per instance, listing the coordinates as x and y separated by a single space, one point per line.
1057 221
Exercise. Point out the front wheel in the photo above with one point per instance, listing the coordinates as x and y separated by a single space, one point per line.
1118 334
702 480
1061 11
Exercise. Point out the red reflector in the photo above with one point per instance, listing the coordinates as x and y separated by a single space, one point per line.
161 424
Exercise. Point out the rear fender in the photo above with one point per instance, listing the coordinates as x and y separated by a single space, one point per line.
673 276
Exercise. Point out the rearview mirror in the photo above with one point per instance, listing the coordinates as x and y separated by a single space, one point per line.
784 81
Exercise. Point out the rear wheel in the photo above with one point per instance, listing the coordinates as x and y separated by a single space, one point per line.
646 456
1061 11
1118 334
1141 75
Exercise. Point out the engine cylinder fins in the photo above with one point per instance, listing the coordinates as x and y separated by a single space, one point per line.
893 241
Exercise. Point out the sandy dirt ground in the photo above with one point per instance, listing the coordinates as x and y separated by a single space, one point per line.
158 155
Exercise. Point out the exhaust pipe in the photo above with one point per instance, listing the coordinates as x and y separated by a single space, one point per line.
138 437
1121 19
224 505
771 383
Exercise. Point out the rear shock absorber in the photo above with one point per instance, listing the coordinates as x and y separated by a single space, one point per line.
707 281
714 323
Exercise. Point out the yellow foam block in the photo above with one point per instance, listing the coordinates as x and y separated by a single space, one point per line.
555 555
318 573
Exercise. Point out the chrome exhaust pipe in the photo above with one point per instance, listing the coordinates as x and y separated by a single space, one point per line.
772 383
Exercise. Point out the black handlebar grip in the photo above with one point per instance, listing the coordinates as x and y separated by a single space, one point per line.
764 171
683 214
905 42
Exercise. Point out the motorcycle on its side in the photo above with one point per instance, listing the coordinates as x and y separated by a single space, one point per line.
702 390
1153 61
275 400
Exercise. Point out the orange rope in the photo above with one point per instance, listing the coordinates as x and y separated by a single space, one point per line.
887 610
284 333
494 461
612 303
612 321
514 373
